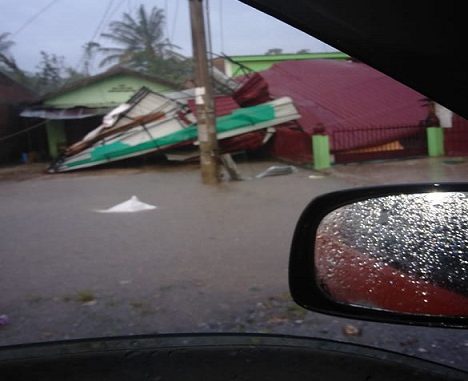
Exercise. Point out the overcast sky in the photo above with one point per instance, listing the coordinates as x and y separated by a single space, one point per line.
65 25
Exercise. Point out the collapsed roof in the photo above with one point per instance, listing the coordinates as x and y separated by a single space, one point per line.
340 96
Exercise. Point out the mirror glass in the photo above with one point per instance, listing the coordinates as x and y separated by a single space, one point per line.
401 253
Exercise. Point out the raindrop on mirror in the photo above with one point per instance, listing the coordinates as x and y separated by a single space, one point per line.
403 253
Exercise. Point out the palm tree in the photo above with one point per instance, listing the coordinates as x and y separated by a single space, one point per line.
140 40
5 44
6 59
89 51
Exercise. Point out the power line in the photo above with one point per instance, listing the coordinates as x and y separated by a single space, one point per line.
96 31
34 17
107 15
101 23
130 6
166 13
221 24
116 9
6 137
174 20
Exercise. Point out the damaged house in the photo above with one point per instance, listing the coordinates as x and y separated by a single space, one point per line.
366 114
77 108
151 122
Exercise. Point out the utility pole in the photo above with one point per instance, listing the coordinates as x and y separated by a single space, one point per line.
206 120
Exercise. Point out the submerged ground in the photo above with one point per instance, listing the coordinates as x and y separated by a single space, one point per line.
209 259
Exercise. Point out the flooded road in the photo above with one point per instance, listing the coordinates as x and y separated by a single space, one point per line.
208 259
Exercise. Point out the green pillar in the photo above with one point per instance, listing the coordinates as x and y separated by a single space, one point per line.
435 141
56 137
321 150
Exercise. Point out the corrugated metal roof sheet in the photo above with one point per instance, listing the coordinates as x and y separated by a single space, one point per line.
224 105
337 95
62 114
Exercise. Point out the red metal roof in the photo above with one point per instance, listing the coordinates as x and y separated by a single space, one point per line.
224 105
334 95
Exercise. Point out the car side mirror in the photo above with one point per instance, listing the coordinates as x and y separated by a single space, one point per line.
396 254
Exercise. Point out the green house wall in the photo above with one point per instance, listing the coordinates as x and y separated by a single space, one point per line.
56 137
108 92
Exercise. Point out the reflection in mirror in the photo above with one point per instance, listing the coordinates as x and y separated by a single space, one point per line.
401 253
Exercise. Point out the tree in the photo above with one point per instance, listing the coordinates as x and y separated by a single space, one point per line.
53 73
50 70
90 49
5 44
139 39
141 45
303 51
273 51
7 61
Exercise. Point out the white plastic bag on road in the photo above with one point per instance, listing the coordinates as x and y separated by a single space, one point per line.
130 206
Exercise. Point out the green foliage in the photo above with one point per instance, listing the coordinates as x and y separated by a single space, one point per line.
174 69
139 43
137 35
90 49
85 296
273 51
53 73
7 61
50 71
5 44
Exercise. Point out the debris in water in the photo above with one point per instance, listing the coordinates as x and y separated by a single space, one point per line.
130 206
90 303
277 170
454 161
4 320
409 341
277 320
351 330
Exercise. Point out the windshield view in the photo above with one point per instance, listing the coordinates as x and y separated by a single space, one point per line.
155 157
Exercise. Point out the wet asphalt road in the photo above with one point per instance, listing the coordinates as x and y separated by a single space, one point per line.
209 259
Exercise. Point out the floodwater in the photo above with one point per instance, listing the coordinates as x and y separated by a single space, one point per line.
208 259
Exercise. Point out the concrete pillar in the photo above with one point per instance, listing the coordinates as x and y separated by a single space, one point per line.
321 151
435 141
56 137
